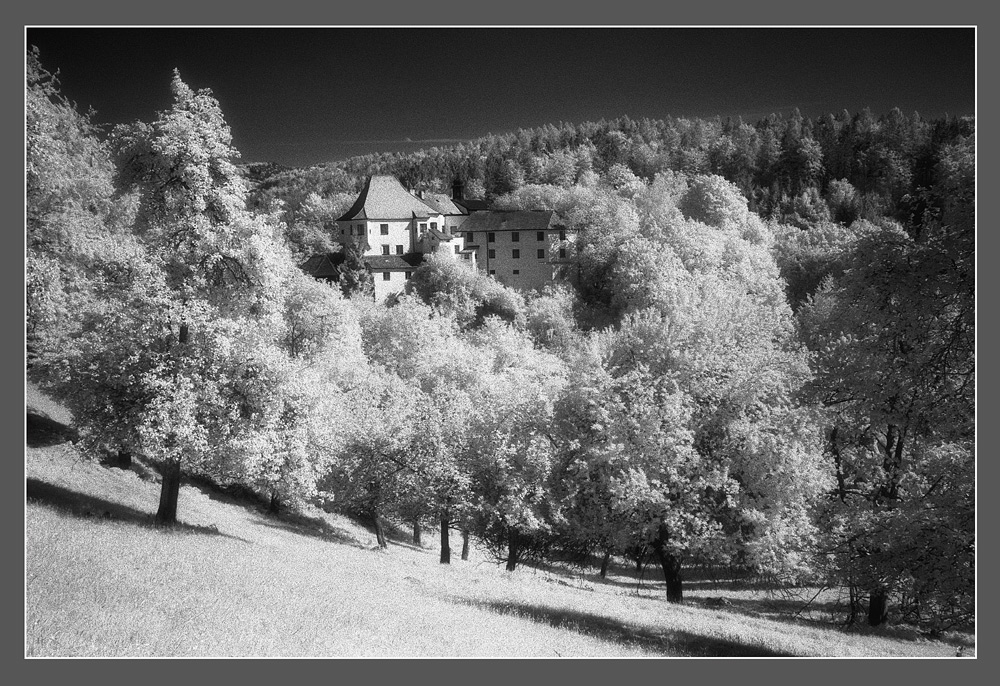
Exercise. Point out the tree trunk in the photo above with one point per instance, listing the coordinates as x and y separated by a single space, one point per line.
671 565
604 564
416 532
379 530
275 505
169 491
445 541
124 460
878 607
513 548
465 544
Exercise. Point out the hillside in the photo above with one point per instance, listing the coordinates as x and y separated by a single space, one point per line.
230 580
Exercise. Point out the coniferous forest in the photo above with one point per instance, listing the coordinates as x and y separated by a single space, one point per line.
763 361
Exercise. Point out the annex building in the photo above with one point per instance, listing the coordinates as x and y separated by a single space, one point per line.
395 228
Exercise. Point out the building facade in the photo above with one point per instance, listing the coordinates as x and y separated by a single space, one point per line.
394 228
520 249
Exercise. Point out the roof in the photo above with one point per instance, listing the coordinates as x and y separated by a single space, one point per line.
384 197
407 262
443 204
513 220
439 235
472 205
323 266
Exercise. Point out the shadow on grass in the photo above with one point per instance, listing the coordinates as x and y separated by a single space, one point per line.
82 505
313 527
672 643
41 431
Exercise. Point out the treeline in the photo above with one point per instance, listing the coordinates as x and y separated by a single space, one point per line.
794 169
709 386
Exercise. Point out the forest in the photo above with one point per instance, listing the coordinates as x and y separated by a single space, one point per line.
764 360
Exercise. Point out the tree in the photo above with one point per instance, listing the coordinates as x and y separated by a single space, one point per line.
373 468
354 276
409 449
297 429
895 365
69 207
693 408
309 232
509 453
468 295
807 258
843 201
185 312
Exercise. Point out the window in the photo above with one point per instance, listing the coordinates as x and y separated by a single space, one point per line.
492 272
515 236
423 226
361 229
434 225
457 249
516 254
492 254
492 237
562 235
516 272
384 228
385 249
468 236
343 232
541 253
399 250
562 252
540 235
407 275
386 276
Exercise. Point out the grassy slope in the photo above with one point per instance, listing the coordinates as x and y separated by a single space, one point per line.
232 581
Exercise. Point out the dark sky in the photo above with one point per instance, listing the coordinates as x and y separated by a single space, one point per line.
310 95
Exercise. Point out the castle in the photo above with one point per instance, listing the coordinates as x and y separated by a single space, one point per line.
395 228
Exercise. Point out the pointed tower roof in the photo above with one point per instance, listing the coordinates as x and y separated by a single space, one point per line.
384 197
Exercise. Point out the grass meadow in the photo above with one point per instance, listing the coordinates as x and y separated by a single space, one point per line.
232 581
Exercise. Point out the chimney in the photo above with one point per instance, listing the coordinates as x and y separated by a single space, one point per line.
457 190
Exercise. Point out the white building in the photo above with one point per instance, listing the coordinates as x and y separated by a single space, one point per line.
395 228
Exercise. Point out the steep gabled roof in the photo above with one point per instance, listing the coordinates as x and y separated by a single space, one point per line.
512 220
384 197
